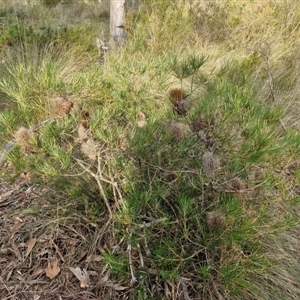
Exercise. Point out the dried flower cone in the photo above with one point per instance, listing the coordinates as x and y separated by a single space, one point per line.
199 124
180 105
60 106
141 120
83 132
210 164
85 115
237 185
176 94
122 141
215 220
89 149
23 138
178 130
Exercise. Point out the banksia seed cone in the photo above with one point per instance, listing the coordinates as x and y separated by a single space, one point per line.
141 119
178 130
199 124
214 220
237 185
61 106
210 164
176 95
180 105
23 137
85 115
89 148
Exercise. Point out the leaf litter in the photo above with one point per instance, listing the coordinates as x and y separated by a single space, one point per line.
37 253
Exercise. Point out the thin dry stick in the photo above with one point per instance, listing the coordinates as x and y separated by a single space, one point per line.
220 297
133 278
98 177
141 256
113 251
148 252
116 191
184 289
271 79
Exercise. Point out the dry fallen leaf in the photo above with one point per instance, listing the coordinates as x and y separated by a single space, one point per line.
15 250
82 276
36 273
93 258
30 244
18 225
6 195
53 269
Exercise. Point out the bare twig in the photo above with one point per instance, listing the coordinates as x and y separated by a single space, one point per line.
266 57
141 256
151 223
148 252
113 251
184 289
220 297
133 278
98 177
271 80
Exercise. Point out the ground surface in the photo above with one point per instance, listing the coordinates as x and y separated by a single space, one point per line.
37 250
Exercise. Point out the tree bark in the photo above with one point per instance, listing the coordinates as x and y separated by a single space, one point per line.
117 20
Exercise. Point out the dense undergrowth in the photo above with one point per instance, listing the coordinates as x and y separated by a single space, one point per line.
203 202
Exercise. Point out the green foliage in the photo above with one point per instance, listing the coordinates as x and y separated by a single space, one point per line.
20 35
218 231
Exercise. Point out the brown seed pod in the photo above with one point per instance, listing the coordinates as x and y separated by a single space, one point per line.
61 106
199 124
176 95
210 164
141 120
23 138
85 115
181 107
215 220
178 131
237 184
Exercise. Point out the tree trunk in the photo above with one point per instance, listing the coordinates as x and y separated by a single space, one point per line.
117 20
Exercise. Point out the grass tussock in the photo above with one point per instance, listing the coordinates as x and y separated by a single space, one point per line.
182 144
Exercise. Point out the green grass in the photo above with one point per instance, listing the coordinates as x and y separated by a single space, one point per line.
230 236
